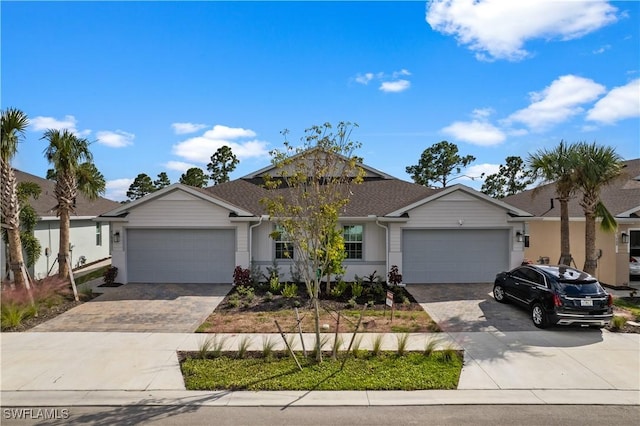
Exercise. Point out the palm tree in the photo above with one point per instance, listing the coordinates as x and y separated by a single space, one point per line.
597 167
558 166
73 171
14 124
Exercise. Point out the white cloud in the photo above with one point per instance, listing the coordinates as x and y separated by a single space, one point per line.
482 113
224 132
558 102
476 132
483 170
69 122
364 78
388 83
179 166
620 103
44 123
186 128
117 189
400 73
199 149
498 29
395 86
602 49
117 139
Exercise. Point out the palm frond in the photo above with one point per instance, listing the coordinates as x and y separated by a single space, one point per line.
608 223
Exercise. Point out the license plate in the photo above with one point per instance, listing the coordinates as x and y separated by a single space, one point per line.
586 303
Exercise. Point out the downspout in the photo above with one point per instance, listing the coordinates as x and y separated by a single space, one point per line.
263 217
386 235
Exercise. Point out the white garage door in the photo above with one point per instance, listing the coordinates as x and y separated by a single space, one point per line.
180 255
454 256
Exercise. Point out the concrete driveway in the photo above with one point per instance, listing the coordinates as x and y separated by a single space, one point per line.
159 308
469 307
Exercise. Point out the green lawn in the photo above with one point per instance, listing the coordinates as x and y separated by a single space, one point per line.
385 371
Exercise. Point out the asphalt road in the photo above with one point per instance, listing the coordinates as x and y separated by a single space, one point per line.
490 415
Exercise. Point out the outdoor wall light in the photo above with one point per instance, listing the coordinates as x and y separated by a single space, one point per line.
116 237
624 238
519 236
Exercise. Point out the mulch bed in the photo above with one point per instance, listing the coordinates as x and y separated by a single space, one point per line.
45 314
110 285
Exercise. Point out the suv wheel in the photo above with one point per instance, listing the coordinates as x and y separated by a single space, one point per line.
538 316
498 293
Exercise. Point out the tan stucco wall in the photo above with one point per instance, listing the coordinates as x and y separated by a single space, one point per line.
613 266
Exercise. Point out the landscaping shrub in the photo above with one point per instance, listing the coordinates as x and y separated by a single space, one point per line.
110 275
357 288
395 277
274 284
290 290
242 277
618 322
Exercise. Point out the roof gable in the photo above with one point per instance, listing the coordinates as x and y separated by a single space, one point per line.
174 192
370 172
464 193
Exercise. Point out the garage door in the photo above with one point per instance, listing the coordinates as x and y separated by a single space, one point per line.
180 255
454 256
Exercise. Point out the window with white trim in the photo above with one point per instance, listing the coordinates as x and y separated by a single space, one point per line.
352 235
284 246
98 233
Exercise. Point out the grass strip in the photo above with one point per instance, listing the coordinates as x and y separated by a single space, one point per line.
633 307
386 371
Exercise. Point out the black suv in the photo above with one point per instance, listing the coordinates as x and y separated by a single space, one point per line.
555 295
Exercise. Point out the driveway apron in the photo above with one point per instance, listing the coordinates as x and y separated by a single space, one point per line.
469 307
159 308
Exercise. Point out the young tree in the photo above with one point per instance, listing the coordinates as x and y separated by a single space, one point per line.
162 181
223 162
74 172
438 163
310 187
14 124
557 166
141 186
194 177
512 178
597 167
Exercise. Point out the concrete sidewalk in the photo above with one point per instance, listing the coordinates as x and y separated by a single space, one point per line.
575 366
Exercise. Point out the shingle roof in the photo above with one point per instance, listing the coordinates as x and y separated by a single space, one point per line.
374 197
45 203
619 197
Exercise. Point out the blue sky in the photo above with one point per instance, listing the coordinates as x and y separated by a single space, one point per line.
159 86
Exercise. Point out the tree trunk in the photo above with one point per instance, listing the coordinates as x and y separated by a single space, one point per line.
565 244
63 250
591 258
11 218
16 258
316 309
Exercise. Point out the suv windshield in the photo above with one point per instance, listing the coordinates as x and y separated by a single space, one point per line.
579 289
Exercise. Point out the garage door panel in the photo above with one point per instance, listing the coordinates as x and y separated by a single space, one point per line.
180 255
453 256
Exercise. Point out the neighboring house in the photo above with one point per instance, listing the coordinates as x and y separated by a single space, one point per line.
186 234
622 199
89 239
